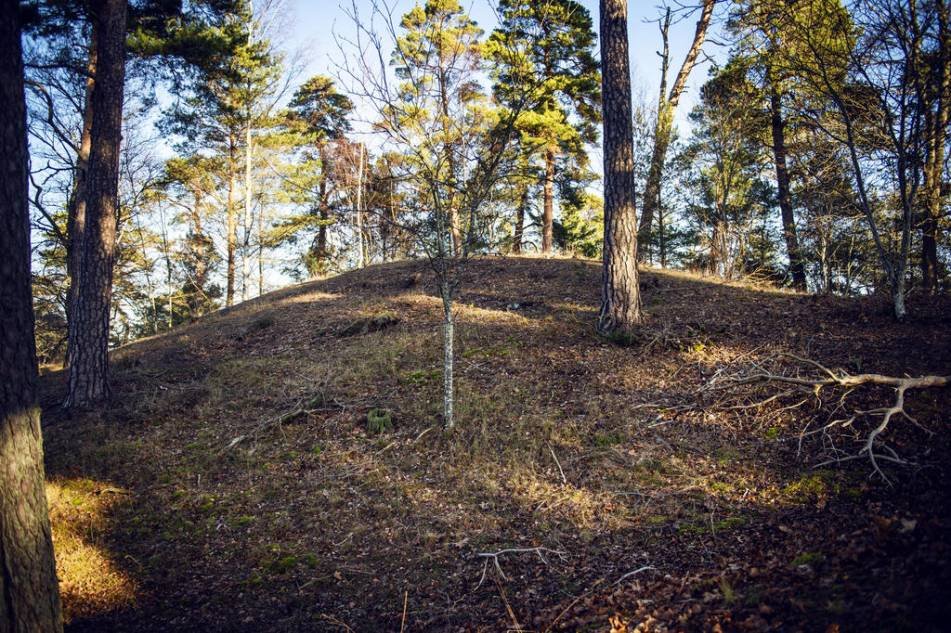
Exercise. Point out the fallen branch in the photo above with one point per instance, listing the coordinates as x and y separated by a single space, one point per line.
632 573
494 557
306 406
829 378
564 479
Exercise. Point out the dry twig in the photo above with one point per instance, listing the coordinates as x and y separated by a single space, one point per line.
494 557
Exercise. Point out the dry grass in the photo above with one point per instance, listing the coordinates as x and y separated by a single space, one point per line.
565 441
90 581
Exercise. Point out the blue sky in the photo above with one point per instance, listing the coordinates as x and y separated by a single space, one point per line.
312 25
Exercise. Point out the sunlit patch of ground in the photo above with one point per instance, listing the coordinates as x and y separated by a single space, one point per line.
90 582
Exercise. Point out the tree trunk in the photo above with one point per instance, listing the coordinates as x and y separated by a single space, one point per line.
358 211
661 237
447 368
620 299
548 214
76 207
29 599
261 249
936 131
248 204
89 329
519 232
796 267
232 231
665 117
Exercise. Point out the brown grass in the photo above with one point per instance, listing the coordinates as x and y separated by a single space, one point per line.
316 520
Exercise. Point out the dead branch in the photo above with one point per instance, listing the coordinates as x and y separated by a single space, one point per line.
494 557
872 447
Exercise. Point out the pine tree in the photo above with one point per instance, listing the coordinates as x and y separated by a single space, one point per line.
29 598
317 116
558 41
89 314
223 98
620 295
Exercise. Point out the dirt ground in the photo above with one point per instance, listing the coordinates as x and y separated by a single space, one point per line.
235 484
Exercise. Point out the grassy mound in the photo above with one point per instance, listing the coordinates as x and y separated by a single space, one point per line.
280 466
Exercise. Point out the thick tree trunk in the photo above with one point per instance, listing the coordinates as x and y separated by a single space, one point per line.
519 233
76 207
89 328
665 116
29 598
548 213
620 298
796 267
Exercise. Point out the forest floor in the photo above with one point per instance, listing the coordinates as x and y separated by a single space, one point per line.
235 484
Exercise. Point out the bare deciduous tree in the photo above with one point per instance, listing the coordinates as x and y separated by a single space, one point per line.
455 147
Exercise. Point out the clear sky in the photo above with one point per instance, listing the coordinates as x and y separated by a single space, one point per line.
312 24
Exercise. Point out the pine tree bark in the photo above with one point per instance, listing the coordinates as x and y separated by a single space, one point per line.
29 598
89 329
936 134
620 295
796 267
76 207
548 213
665 116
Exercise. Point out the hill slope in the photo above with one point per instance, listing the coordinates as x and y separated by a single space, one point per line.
235 484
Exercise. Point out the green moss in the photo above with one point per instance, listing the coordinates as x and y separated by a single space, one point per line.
807 558
772 433
310 560
812 487
244 520
607 439
726 455
282 564
695 528
421 376
729 523
722 487
206 503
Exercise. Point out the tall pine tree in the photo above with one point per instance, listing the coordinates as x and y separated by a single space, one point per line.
559 59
